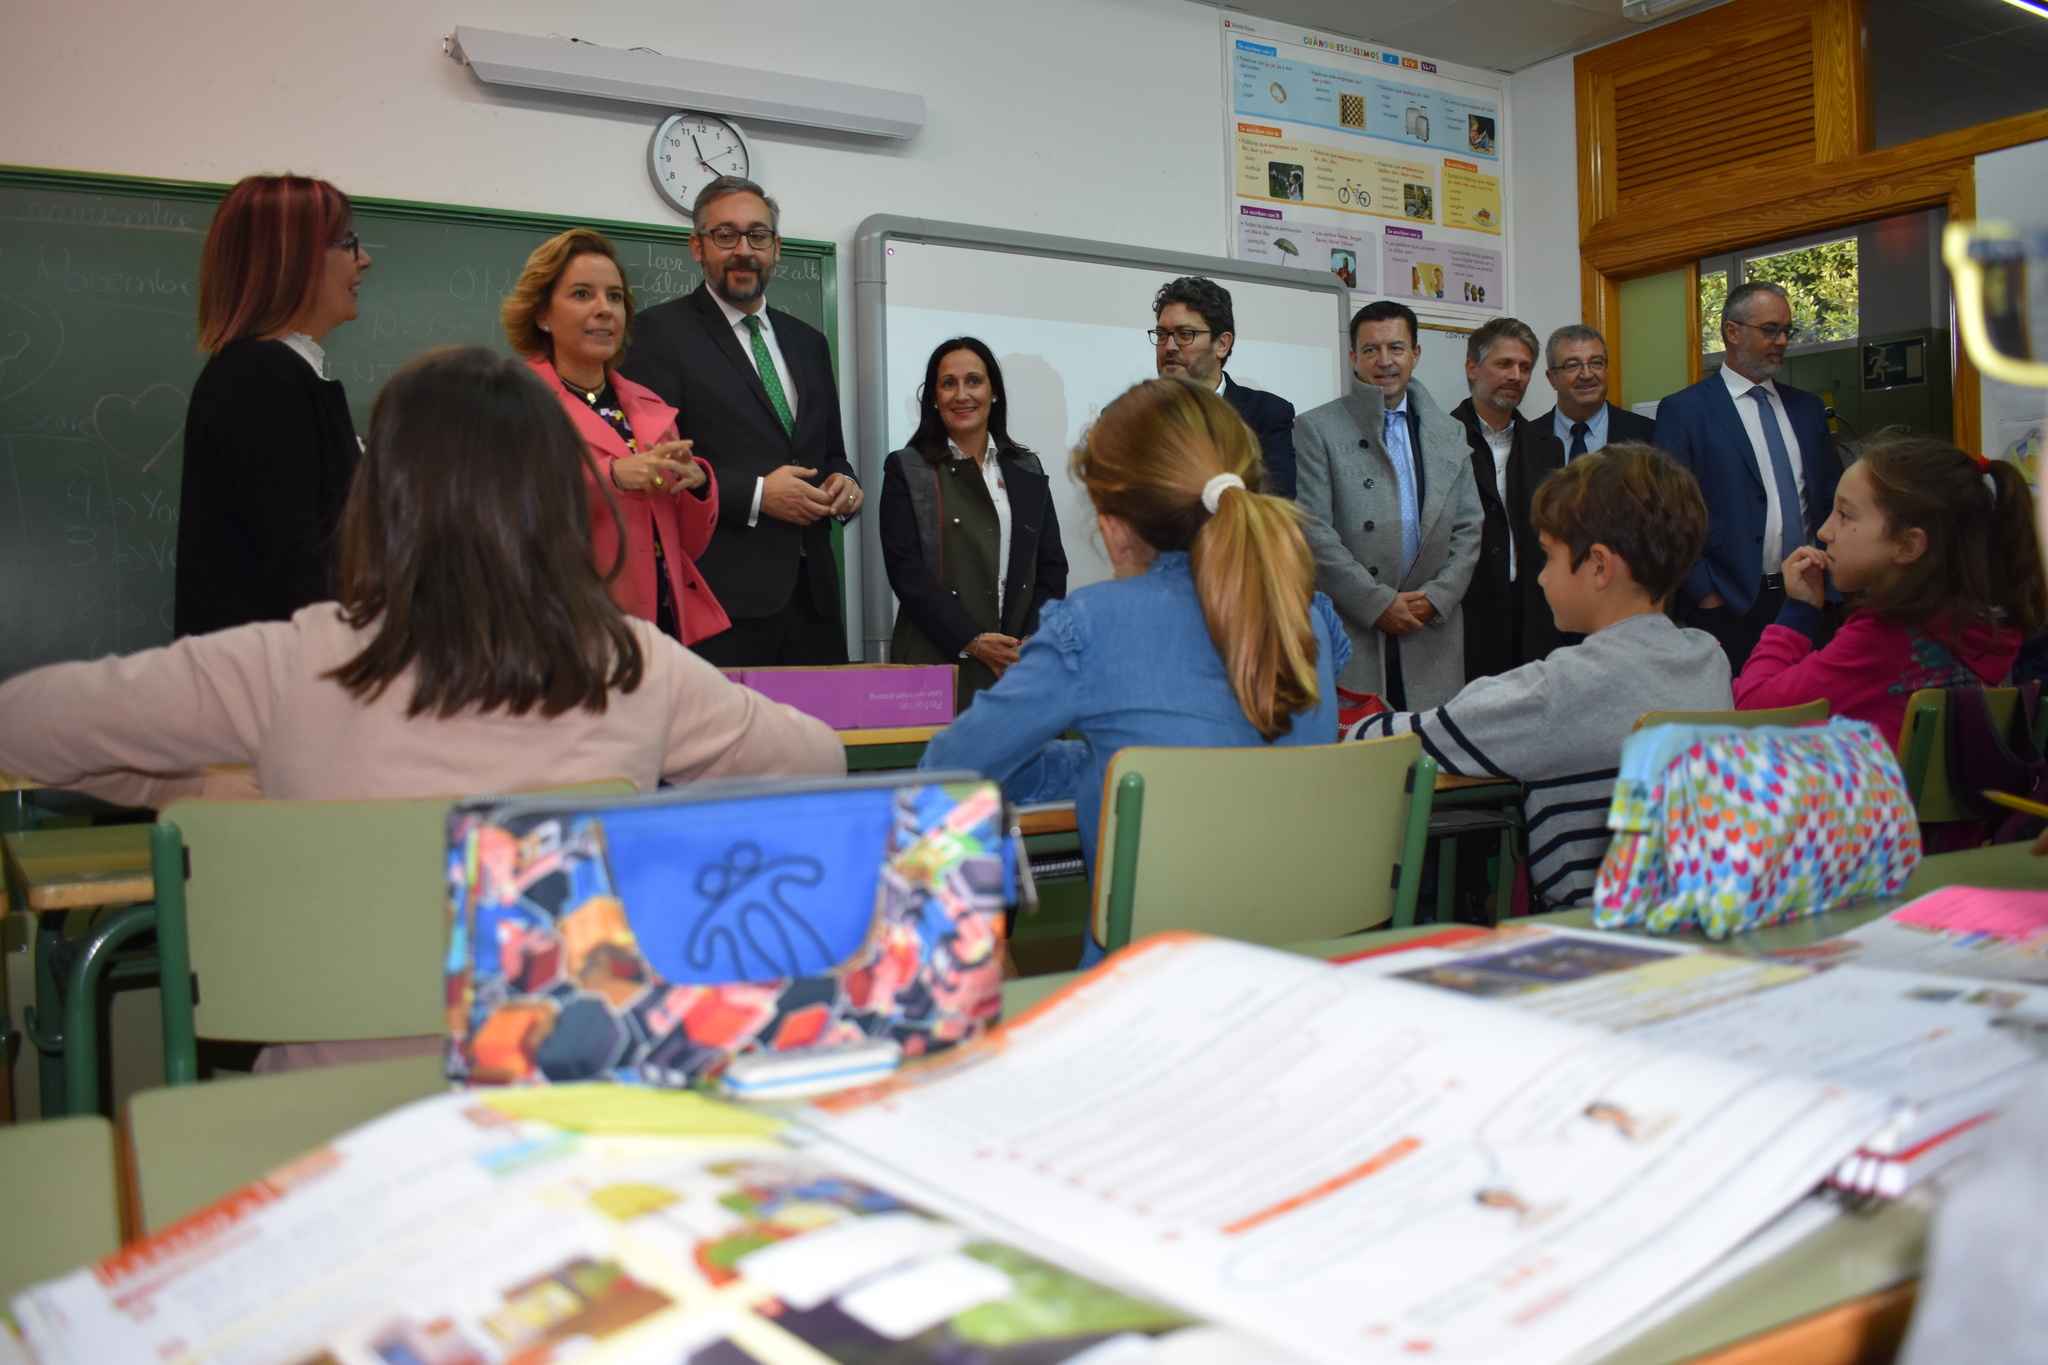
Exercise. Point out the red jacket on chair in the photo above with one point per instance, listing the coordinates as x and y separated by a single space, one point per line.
684 521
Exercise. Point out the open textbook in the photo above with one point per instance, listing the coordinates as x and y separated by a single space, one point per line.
1948 1052
1356 1169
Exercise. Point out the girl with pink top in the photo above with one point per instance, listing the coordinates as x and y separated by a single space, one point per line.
1937 553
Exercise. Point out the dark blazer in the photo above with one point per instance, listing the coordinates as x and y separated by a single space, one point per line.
1498 609
1035 549
269 452
1701 428
1622 425
685 351
1271 419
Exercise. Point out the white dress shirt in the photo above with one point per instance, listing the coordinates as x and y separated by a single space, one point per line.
1781 535
1502 444
308 349
738 322
992 475
1596 430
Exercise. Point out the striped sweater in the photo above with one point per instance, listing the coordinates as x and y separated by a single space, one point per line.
1556 726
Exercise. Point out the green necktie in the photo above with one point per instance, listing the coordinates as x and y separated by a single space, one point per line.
770 380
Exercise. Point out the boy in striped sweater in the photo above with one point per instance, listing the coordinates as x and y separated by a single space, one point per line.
1620 529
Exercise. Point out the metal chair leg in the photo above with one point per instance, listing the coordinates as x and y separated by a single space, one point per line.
81 1004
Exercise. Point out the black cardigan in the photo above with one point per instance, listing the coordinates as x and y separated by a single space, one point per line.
269 452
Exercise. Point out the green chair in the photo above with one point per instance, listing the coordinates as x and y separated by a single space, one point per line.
189 1145
1271 845
59 1199
291 922
1923 750
1806 713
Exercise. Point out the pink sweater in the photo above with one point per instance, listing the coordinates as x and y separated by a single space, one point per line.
139 728
1870 668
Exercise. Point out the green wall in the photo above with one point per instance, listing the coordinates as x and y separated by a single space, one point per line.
1656 336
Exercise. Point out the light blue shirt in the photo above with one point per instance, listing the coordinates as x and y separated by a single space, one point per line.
1596 430
1402 451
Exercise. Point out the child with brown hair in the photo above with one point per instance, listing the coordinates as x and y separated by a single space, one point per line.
1619 529
1937 554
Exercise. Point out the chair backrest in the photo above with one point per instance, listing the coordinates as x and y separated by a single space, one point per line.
1806 713
189 1145
1923 750
318 921
59 1192
1270 845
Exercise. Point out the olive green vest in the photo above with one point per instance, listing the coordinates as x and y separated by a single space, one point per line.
967 541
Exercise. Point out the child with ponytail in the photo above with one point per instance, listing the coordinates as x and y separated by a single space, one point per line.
1210 635
1937 554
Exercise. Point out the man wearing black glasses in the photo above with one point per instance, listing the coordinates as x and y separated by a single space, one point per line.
1766 463
752 387
1575 363
1194 330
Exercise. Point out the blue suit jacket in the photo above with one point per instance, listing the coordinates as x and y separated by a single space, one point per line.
1271 419
1701 428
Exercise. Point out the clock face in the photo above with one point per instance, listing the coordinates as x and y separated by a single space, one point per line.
690 151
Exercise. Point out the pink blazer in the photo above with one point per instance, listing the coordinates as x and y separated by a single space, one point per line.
684 521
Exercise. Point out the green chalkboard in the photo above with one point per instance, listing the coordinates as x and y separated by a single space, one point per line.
99 277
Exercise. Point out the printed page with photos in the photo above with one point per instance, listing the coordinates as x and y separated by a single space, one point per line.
1356 1169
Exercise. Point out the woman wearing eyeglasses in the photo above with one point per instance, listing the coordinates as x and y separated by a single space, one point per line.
269 444
570 315
970 538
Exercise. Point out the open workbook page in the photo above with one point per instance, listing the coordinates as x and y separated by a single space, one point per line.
1356 1169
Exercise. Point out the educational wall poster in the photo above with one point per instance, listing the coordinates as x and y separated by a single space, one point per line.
1333 144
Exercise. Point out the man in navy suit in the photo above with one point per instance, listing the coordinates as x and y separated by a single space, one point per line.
1192 338
1575 363
1766 463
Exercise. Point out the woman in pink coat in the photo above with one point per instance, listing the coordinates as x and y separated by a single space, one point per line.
569 315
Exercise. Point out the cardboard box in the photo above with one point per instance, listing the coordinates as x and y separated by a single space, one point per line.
860 696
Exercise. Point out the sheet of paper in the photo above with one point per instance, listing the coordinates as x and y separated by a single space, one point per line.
449 1232
1902 945
1357 1169
607 1108
2015 916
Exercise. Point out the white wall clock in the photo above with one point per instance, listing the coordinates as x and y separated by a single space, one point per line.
690 151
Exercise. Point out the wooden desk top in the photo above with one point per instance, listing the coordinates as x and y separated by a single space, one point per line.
904 734
1450 782
81 869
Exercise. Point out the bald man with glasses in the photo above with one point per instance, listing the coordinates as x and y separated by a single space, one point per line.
1766 463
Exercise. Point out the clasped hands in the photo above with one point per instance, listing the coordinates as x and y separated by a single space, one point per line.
664 468
787 496
1408 613
995 650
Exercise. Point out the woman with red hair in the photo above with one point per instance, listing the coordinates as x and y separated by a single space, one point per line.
269 444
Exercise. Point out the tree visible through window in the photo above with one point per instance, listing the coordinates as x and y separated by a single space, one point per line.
1821 282
1713 293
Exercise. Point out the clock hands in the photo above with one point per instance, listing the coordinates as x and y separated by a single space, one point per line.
700 155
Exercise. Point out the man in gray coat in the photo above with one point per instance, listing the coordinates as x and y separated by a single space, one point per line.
1384 478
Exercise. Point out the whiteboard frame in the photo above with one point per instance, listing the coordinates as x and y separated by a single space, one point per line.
871 351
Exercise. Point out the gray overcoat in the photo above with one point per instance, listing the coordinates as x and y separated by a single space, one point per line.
1344 483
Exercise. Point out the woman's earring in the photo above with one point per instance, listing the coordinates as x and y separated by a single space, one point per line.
543 326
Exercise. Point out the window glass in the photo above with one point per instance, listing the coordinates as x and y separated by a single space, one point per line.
1821 282
1713 293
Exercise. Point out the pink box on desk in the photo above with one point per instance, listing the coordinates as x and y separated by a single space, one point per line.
860 696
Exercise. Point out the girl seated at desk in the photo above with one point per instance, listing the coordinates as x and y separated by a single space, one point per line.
473 648
1210 635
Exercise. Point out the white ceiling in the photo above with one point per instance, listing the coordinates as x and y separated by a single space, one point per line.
1504 35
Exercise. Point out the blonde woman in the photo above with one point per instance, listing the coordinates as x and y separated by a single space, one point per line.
569 315
1211 633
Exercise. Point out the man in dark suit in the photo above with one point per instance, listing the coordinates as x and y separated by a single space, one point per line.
1192 338
1507 618
1766 463
1575 363
753 388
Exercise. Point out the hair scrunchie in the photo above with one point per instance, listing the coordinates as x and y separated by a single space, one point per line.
1212 491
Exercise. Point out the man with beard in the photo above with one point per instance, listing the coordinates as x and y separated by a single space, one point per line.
1194 331
1507 619
1766 463
753 388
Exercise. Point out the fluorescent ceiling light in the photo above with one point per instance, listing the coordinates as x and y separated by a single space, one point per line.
2037 8
639 77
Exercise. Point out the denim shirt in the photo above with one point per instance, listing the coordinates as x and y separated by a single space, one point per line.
1124 662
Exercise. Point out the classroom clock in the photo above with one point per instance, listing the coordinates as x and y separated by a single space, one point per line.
690 151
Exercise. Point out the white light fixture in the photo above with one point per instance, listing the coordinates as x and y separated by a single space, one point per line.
2037 8
636 77
1643 11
